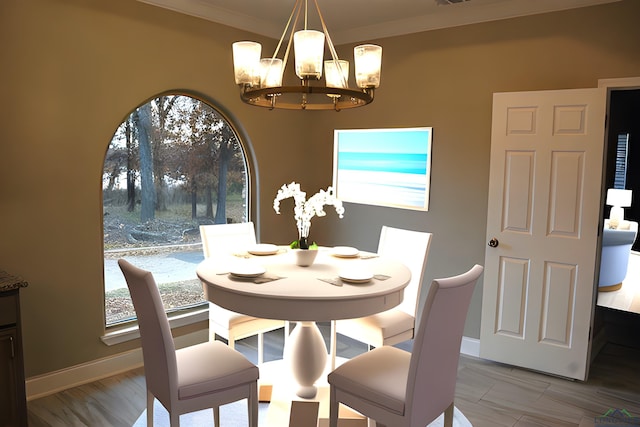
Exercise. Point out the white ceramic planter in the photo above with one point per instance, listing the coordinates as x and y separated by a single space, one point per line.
305 257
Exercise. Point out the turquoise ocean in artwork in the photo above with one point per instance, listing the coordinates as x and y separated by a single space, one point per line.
411 163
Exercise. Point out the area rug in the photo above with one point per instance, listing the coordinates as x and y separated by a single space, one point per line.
235 415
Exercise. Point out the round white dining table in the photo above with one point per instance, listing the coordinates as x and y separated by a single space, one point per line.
306 295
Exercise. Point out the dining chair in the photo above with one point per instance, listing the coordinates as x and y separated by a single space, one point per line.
222 240
189 379
397 388
397 324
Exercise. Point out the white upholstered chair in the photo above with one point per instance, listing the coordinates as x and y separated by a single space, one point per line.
401 389
397 324
616 252
224 240
190 379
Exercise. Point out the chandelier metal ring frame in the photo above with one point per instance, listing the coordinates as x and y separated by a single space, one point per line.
260 80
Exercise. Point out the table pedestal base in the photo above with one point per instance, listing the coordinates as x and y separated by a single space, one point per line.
287 409
306 353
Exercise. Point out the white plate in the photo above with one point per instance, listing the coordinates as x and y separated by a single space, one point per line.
345 252
247 270
354 275
263 249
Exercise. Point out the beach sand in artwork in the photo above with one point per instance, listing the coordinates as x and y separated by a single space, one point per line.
383 188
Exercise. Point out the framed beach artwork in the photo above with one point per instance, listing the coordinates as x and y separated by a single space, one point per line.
383 167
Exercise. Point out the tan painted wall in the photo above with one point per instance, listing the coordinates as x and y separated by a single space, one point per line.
73 69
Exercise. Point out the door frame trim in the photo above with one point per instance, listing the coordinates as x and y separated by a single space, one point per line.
597 341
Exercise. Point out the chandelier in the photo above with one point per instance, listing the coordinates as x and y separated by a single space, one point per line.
260 79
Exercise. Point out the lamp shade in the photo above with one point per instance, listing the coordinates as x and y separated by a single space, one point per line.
336 73
368 60
270 72
309 49
246 62
618 197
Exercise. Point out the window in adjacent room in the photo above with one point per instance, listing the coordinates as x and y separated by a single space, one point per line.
622 149
173 164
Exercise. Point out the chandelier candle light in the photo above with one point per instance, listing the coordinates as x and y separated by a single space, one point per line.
304 210
260 79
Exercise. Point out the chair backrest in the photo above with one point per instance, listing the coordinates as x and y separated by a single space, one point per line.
225 239
158 350
412 248
436 348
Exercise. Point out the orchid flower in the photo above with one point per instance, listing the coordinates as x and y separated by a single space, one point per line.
304 210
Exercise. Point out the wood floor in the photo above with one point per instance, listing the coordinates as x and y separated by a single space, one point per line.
487 393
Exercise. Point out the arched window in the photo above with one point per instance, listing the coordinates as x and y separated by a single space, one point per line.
173 164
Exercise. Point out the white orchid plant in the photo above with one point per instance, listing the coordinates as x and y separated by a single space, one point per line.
304 210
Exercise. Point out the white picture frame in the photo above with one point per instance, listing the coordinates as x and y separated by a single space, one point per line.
383 167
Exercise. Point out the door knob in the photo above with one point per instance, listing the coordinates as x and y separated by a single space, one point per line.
494 243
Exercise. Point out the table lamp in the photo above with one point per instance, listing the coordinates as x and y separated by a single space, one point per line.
618 199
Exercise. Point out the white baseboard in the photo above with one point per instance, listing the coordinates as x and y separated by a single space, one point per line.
54 382
470 346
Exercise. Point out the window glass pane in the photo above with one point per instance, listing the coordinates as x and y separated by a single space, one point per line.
620 179
173 164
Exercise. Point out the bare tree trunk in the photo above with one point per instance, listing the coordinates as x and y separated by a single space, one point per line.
223 166
131 174
165 104
194 204
208 194
147 189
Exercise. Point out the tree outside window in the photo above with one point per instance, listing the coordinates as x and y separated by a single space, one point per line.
173 164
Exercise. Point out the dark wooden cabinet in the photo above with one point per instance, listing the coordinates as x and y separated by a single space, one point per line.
13 402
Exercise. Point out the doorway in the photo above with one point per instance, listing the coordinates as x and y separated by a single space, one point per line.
618 312
622 170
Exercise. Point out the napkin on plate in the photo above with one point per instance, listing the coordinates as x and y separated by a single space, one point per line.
263 278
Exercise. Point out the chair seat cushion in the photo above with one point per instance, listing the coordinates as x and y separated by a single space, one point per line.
211 366
379 376
379 328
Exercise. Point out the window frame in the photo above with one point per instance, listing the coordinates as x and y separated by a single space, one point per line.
126 330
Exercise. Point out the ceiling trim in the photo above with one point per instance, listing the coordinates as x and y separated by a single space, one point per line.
458 14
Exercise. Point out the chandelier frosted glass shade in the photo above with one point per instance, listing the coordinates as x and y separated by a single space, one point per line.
368 58
246 60
260 80
271 72
336 73
309 49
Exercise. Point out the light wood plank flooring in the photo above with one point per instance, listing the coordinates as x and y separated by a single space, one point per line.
489 394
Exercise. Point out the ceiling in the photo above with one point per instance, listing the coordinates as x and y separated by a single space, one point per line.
360 20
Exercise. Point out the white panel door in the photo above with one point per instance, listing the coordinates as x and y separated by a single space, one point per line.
542 227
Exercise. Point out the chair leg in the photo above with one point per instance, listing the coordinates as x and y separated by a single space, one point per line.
212 330
448 416
333 408
174 419
260 348
252 403
216 416
334 344
150 399
287 330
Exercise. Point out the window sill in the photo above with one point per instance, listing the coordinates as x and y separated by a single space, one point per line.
119 335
